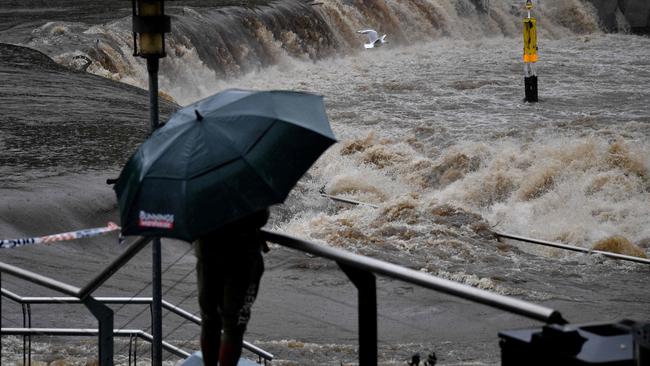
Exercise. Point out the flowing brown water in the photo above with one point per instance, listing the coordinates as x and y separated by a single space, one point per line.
432 130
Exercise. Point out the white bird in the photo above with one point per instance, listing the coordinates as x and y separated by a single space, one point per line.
373 38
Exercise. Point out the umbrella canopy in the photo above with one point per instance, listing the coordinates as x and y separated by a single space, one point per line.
220 159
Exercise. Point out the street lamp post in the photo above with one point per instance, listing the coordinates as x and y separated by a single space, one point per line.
149 27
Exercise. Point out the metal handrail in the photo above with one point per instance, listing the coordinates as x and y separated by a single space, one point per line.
572 247
129 253
102 313
44 281
353 264
377 266
515 237
81 293
126 300
92 332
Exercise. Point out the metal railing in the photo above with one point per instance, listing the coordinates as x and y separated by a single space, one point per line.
137 333
51 300
361 271
514 237
97 306
102 313
572 248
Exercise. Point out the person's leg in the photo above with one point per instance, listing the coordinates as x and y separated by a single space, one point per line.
210 294
210 342
240 291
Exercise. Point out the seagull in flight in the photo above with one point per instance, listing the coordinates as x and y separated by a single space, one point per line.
373 38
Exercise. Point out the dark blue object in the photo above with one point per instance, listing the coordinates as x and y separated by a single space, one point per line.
609 344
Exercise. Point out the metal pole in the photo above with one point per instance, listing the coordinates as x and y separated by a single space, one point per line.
24 337
367 292
156 305
29 337
1 318
104 316
152 69
156 276
572 247
347 200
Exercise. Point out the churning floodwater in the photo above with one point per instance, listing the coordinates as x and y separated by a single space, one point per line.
433 130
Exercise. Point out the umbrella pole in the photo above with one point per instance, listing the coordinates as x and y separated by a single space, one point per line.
156 275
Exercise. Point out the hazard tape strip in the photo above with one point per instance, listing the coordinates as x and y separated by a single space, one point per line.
86 233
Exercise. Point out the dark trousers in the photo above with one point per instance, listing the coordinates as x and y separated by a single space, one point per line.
228 277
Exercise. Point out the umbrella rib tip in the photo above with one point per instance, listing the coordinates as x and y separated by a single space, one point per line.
198 115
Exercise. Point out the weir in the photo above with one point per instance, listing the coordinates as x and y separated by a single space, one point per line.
209 44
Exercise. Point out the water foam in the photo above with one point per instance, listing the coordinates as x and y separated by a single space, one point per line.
573 168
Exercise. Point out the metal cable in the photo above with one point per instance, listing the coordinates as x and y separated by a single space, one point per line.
145 287
149 283
11 321
193 293
186 342
169 289
184 321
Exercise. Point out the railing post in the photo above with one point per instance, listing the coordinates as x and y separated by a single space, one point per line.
365 283
156 304
24 308
156 280
104 316
0 319
29 337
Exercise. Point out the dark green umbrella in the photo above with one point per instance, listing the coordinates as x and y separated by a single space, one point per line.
219 159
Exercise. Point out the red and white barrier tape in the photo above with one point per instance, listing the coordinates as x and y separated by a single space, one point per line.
71 235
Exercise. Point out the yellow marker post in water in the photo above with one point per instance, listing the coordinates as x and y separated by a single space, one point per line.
530 55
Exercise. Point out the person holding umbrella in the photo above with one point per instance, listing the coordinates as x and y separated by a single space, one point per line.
229 267
209 175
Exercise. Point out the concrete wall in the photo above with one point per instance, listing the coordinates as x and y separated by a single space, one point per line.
636 12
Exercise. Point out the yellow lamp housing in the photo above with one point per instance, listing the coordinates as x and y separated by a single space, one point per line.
149 27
